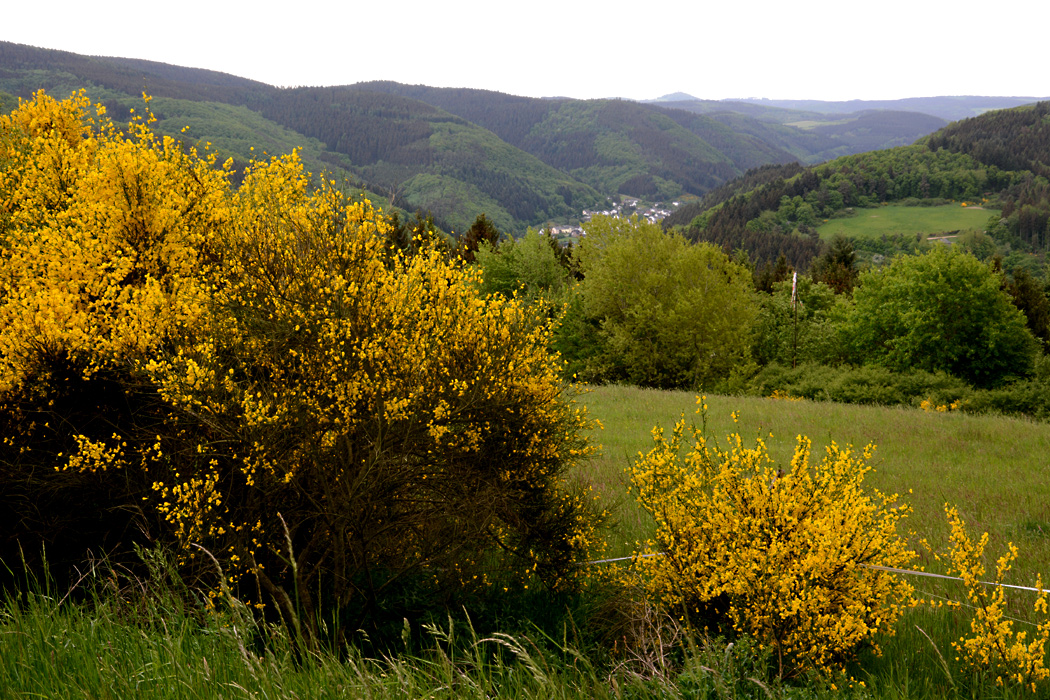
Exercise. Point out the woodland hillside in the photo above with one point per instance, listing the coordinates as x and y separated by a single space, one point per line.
457 153
998 160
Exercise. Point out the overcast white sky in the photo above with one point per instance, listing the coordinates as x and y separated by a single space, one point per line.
808 49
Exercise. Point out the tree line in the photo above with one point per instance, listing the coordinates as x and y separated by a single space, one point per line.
633 312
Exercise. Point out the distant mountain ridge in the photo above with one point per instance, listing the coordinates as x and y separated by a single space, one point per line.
613 145
949 108
461 152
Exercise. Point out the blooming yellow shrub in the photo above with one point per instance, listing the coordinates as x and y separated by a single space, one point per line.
104 237
930 405
256 372
429 421
996 645
785 552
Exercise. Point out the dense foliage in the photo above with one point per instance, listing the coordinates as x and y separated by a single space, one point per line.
528 267
1009 139
809 330
613 145
785 553
430 159
944 310
669 314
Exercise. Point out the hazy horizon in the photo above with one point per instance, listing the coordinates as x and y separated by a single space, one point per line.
807 50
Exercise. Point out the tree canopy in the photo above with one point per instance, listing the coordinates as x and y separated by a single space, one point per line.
944 310
672 314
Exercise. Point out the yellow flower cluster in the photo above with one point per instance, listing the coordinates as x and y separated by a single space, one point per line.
787 551
779 395
103 237
929 405
291 383
92 455
996 645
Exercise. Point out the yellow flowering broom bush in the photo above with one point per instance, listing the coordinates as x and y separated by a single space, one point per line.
103 240
783 554
253 371
1010 655
404 426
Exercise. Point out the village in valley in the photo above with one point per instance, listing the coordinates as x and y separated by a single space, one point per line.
627 206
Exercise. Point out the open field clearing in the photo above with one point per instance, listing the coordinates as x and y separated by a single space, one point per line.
896 219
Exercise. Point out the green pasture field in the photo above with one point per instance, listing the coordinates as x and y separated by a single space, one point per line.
808 124
897 219
996 470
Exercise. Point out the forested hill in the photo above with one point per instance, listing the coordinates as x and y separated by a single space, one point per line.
614 145
409 153
1011 139
431 159
1000 159
812 136
25 69
459 153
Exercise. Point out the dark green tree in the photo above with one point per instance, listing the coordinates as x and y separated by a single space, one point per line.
1031 298
481 232
837 265
8 102
944 310
773 273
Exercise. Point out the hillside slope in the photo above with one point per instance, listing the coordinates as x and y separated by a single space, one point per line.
814 136
406 151
459 152
616 146
1000 159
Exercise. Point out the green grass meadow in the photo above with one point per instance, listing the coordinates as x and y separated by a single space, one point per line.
897 219
128 641
996 470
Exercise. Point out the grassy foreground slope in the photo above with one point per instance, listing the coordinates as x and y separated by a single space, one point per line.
134 642
995 469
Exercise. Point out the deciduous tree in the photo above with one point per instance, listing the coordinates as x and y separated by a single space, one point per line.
672 314
944 310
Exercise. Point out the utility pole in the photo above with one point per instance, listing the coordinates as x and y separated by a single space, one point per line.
794 307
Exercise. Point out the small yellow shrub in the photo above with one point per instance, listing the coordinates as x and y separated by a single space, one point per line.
779 395
996 646
929 405
788 552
